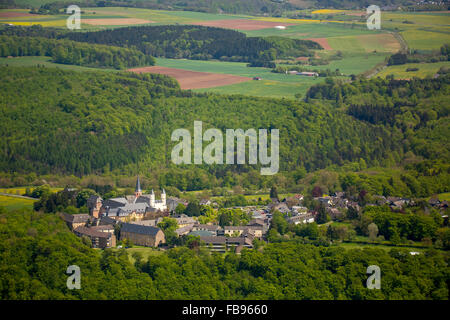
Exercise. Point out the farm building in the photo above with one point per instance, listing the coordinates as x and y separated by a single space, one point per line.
308 74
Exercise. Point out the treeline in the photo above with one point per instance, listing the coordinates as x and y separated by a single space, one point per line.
72 52
37 248
190 42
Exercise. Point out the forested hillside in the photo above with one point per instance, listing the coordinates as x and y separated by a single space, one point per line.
36 248
71 52
65 122
111 120
418 108
176 41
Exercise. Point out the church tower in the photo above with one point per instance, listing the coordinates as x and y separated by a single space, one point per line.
152 199
163 197
138 190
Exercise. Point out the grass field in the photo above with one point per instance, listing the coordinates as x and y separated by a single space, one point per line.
444 196
12 203
144 251
272 85
425 70
352 245
362 48
21 190
112 13
352 63
45 61
313 30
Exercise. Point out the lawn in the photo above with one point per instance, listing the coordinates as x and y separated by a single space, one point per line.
144 251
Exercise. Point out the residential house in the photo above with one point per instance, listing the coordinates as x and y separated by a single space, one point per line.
237 231
98 239
214 229
301 218
184 230
222 243
75 220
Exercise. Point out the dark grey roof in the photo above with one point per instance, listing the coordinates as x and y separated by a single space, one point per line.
140 229
92 233
214 240
75 218
209 227
202 233
222 240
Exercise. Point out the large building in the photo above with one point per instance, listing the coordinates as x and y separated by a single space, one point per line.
100 238
128 208
142 235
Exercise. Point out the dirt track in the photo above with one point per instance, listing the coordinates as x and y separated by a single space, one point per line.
194 79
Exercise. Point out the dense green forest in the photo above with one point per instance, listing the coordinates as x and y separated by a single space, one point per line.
37 248
71 52
176 41
419 109
65 122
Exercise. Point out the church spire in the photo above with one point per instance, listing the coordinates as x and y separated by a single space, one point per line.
138 190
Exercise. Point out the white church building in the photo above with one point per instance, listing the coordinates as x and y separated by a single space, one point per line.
132 207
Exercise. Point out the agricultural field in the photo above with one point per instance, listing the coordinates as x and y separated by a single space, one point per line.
21 190
341 31
271 85
194 79
424 70
13 203
46 61
99 18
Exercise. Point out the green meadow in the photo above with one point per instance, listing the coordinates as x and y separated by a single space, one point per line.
45 61
425 70
271 85
12 203
313 30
